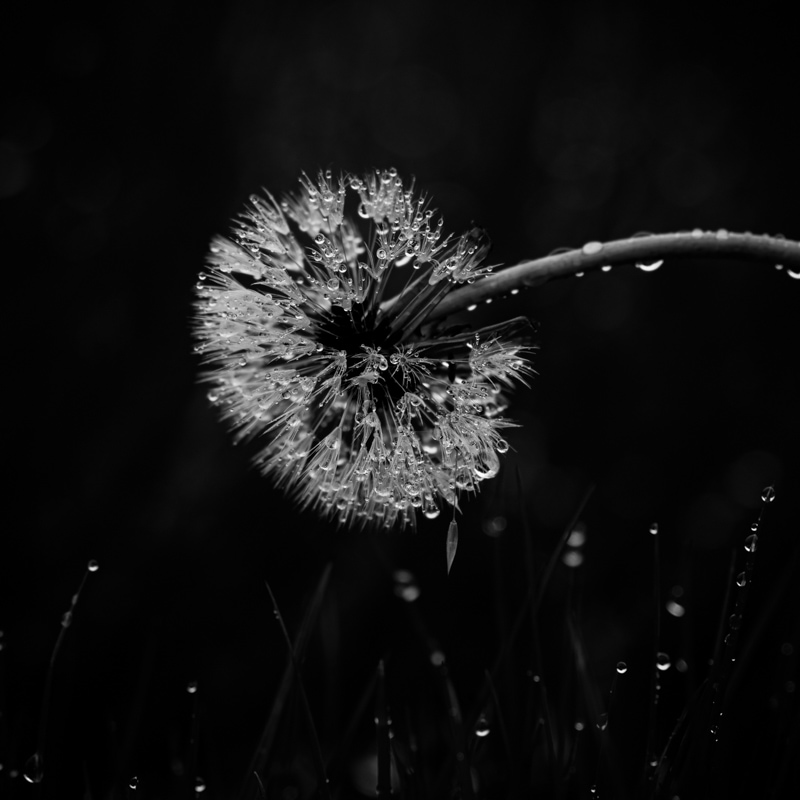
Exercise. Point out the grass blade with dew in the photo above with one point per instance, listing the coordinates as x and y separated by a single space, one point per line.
531 604
297 654
383 789
733 623
463 770
655 666
34 766
195 781
324 787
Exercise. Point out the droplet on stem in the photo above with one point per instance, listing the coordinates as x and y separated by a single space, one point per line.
663 662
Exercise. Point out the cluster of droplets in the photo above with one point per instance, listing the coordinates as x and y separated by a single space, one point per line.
359 414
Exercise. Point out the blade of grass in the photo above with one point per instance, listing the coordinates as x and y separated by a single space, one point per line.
259 759
324 787
384 785
34 766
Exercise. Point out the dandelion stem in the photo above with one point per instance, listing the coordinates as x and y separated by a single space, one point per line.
637 249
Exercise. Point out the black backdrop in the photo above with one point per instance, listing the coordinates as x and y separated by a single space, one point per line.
130 137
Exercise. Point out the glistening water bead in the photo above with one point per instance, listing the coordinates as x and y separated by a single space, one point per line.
342 387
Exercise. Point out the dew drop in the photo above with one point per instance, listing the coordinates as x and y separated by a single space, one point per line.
482 729
654 529
472 307
579 274
605 268
602 723
741 579
432 513
199 785
697 233
722 234
751 543
191 687
133 782
590 248
93 566
663 662
622 667
650 267
676 609
768 495
33 771
792 274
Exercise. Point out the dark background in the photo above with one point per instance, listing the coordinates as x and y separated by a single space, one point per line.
130 137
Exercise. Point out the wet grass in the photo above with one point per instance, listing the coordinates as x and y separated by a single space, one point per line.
537 720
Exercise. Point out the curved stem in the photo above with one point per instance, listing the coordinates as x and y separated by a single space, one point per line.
636 250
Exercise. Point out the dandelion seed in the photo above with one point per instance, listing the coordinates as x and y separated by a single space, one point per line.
360 411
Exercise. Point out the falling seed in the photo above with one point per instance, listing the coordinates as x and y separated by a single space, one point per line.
452 544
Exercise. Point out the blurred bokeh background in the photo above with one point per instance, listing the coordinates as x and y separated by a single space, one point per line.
130 136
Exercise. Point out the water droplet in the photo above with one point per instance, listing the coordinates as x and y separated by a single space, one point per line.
579 274
191 687
605 268
663 662
697 233
482 728
652 267
33 771
751 543
93 566
741 579
437 658
722 234
768 495
133 782
472 307
590 248
622 667
676 609
792 274
199 784
602 722
735 621
654 529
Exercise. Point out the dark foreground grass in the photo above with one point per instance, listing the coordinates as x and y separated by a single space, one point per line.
689 709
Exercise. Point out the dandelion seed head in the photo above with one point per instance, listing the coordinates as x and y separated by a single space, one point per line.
361 410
